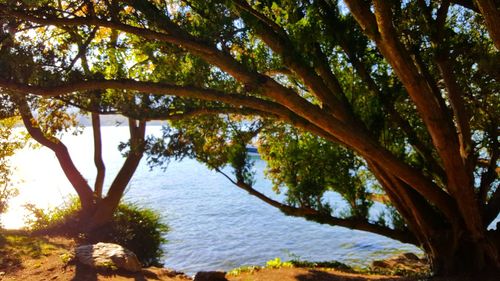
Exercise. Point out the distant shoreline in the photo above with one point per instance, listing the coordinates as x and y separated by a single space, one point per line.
112 120
117 120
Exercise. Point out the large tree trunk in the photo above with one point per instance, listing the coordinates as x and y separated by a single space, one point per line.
462 256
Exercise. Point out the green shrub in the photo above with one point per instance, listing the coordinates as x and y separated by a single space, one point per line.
59 219
325 264
140 230
244 269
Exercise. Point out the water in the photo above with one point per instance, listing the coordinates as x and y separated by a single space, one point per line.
214 225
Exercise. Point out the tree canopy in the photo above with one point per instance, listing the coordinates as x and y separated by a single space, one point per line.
408 90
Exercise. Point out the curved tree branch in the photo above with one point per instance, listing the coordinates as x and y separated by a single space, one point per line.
323 218
76 179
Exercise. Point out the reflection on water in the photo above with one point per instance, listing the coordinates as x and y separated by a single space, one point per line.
214 225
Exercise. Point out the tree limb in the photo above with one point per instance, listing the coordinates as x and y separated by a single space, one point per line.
349 134
76 179
323 218
108 205
435 117
98 161
490 9
280 43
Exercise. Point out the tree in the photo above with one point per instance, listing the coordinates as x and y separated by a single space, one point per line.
411 87
96 208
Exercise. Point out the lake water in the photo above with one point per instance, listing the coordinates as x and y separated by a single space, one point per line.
214 225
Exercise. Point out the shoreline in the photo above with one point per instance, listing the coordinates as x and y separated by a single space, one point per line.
24 256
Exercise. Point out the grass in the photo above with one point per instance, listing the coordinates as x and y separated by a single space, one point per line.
28 246
278 263
15 248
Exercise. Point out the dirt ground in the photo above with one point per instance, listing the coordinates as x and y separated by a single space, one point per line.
304 274
45 258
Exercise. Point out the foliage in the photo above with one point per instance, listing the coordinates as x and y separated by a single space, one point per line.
140 230
33 247
324 264
67 257
216 141
63 217
293 158
18 248
244 269
10 141
278 263
55 117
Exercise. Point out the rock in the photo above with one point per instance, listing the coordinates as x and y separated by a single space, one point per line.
404 263
108 255
409 256
381 264
210 276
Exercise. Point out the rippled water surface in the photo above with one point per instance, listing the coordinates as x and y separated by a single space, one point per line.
214 225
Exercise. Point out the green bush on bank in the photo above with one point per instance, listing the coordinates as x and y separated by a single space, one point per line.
138 229
64 217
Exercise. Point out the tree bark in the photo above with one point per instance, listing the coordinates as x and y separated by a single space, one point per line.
491 13
98 161
106 207
78 182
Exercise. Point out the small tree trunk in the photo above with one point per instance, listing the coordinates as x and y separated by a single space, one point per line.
105 208
98 161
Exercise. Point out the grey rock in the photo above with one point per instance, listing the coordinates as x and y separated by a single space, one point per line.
108 255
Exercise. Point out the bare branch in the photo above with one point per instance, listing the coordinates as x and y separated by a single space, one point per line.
76 179
324 218
98 161
122 179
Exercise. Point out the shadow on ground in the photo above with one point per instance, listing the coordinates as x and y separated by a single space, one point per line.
318 275
86 273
